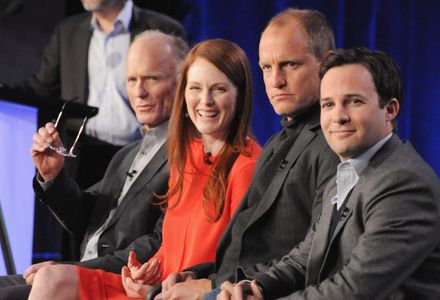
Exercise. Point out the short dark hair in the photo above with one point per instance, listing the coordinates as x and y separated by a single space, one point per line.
319 31
383 69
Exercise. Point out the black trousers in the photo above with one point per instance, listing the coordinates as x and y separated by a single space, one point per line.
13 287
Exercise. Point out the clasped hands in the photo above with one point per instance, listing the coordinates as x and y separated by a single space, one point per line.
243 290
137 278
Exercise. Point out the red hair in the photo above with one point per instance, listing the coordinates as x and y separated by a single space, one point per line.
232 61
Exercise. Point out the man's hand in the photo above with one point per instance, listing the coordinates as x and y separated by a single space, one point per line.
174 278
132 287
188 289
48 162
245 289
147 273
30 272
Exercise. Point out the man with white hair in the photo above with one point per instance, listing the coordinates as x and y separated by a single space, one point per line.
117 214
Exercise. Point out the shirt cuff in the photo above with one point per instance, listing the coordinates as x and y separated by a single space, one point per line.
45 185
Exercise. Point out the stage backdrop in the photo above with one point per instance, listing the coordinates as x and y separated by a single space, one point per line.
408 30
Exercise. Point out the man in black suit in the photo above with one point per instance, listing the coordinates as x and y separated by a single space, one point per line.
285 194
85 59
118 214
378 235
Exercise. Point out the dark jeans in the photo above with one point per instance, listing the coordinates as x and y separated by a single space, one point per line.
13 287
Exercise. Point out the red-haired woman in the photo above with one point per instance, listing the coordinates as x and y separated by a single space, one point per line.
211 158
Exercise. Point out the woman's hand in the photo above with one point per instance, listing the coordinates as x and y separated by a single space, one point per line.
147 273
132 287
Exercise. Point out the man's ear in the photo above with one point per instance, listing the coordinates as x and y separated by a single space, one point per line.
392 109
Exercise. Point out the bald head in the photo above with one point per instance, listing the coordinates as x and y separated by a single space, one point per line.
152 65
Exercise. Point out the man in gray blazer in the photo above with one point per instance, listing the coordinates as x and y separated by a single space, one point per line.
294 166
119 213
378 235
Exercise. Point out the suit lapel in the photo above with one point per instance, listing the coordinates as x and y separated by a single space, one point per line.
80 53
321 237
264 157
121 175
322 240
147 174
225 239
304 138
374 162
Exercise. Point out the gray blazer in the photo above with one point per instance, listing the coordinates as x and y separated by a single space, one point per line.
386 245
82 212
285 212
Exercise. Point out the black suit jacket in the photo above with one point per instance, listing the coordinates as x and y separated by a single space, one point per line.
385 246
82 212
63 71
283 215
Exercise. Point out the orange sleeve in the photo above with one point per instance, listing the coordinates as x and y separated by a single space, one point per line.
159 255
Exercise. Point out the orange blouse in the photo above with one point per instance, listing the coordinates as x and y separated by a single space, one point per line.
188 237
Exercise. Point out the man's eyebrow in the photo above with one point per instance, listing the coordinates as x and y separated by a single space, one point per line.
325 99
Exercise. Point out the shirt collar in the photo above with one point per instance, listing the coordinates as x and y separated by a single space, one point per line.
160 130
360 162
124 17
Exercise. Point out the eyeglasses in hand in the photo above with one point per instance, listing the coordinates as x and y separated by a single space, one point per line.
61 149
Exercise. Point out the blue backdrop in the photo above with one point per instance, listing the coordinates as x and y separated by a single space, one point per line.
408 30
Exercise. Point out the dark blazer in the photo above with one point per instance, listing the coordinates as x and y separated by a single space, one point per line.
386 245
63 71
82 212
282 217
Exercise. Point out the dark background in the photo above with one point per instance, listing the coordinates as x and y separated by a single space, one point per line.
408 30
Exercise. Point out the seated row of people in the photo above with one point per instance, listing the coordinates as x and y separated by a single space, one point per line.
222 225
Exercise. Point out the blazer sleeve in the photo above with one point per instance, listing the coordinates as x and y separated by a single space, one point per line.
69 204
287 274
144 246
202 270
